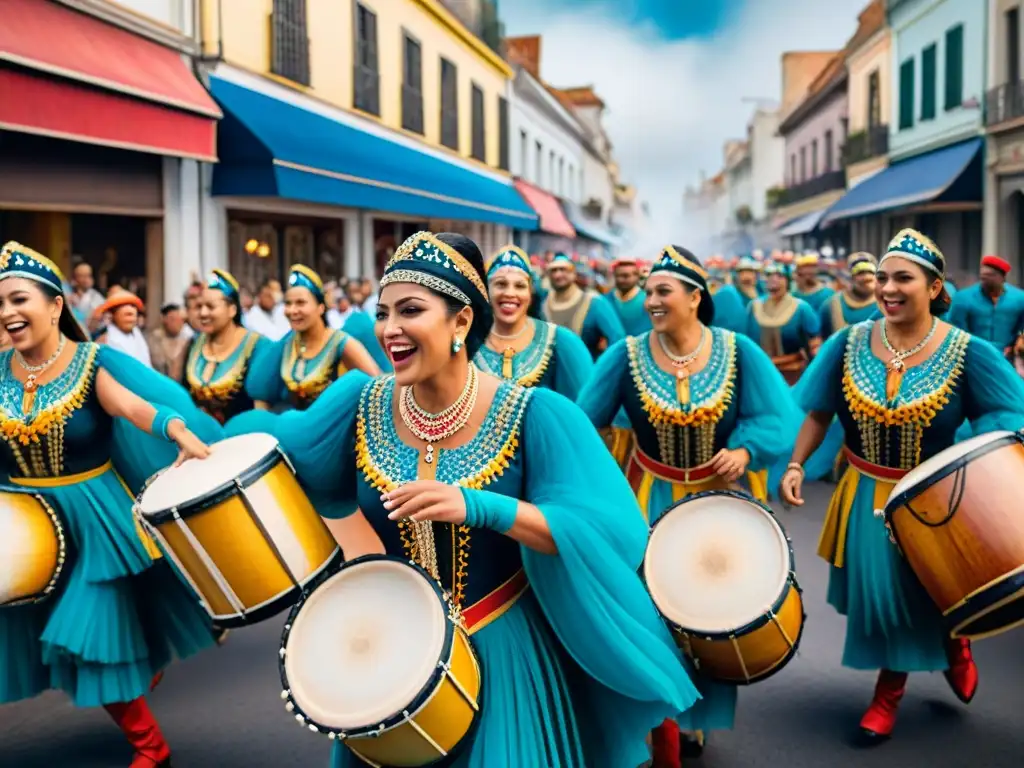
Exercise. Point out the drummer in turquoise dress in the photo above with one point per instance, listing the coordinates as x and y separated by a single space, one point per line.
507 496
84 426
809 284
584 312
220 356
901 387
708 407
784 326
297 369
521 348
628 297
991 309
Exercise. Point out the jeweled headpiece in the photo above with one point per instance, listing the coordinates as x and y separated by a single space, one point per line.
682 265
912 245
561 260
302 276
425 260
510 257
17 260
223 281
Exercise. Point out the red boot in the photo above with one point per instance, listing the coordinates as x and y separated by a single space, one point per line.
962 674
665 746
880 719
157 679
137 723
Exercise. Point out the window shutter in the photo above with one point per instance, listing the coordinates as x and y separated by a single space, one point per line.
928 86
955 67
907 94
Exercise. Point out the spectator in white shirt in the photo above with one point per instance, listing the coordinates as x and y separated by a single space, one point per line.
123 333
267 315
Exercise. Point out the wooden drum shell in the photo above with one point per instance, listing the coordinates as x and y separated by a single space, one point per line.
32 546
970 562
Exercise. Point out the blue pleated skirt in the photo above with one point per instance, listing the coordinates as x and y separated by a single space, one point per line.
119 616
891 623
528 718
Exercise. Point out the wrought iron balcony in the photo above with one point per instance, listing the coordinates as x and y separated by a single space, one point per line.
826 182
1004 103
867 144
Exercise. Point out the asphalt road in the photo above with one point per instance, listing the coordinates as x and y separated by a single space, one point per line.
223 710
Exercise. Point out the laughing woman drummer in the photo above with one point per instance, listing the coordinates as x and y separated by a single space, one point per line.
901 387
400 463
83 423
298 368
220 356
521 348
707 406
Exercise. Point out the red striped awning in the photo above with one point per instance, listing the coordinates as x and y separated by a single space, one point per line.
69 75
552 218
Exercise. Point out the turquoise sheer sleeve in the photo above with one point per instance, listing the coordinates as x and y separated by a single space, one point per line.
136 454
819 388
729 310
994 398
604 316
263 381
957 314
320 442
591 593
359 326
809 321
601 397
573 363
768 419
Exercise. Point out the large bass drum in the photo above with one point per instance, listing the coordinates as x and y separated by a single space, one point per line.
33 547
720 569
373 656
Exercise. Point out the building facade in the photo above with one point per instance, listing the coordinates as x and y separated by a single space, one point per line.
350 126
1004 116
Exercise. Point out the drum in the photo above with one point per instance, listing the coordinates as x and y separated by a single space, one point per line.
720 569
33 548
239 528
373 656
957 520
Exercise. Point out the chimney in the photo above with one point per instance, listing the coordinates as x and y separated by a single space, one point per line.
525 51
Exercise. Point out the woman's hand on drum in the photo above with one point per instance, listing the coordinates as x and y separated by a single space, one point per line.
189 446
791 487
426 500
731 464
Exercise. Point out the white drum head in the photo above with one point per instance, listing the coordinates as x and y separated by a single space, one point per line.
716 563
198 478
943 459
364 644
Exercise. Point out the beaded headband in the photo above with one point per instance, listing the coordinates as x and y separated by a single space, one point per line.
561 260
223 281
912 245
863 266
807 260
511 257
675 264
427 261
17 260
303 277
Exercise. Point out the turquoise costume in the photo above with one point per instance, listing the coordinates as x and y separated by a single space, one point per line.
588 314
586 604
996 322
841 310
281 374
817 297
784 330
554 359
732 302
631 312
359 326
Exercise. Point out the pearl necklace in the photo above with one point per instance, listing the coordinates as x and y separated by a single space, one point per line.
31 385
513 336
896 367
434 427
682 364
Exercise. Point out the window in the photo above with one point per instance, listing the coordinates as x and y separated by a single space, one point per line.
907 94
803 164
828 151
955 67
539 180
524 154
570 191
503 148
929 67
551 170
1013 46
814 159
874 100
367 74
412 86
449 105
289 43
478 143
792 169
561 176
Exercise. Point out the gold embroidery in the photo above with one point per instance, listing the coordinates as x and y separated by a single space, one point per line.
219 392
771 315
313 381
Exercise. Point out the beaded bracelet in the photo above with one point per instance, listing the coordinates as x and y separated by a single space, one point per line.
796 466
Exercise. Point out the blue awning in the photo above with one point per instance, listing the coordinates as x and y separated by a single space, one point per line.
921 179
802 225
270 147
586 228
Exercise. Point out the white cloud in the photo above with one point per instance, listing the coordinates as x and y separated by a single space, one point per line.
672 105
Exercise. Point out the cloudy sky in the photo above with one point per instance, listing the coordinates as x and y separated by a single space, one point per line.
674 75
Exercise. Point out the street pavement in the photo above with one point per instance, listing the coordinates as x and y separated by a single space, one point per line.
223 708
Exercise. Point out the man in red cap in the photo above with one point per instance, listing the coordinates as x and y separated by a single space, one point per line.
991 309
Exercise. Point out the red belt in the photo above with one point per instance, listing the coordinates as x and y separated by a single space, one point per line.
484 611
874 471
796 361
672 474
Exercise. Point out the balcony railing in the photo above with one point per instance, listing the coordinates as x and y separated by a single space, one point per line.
865 145
826 182
1004 103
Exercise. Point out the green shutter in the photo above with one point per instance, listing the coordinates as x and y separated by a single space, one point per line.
955 67
928 72
907 94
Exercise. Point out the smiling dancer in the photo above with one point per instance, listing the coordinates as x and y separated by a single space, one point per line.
901 387
785 327
399 464
83 423
628 297
586 313
707 405
298 368
519 348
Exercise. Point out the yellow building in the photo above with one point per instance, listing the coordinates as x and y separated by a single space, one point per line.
377 118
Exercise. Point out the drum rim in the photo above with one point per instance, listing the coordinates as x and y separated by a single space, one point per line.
765 617
900 500
55 516
422 697
226 490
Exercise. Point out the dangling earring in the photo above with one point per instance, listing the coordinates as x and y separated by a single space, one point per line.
456 345
53 321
